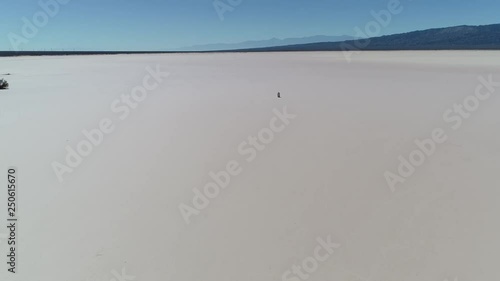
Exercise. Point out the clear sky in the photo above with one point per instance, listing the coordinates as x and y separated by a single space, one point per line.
169 24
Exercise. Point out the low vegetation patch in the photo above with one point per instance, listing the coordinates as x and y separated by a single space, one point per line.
3 84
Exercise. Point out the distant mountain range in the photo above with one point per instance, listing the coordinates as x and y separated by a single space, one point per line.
274 42
485 37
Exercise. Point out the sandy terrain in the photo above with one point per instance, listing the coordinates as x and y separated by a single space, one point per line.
321 175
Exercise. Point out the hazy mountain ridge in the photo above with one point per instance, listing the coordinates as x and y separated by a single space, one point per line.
274 42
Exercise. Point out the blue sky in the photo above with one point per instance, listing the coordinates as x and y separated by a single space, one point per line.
169 24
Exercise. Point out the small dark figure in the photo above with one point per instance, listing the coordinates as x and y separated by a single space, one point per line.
279 95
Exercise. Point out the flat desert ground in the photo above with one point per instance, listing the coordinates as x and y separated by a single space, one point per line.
318 174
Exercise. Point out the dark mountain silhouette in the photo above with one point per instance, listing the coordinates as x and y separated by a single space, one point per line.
486 37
